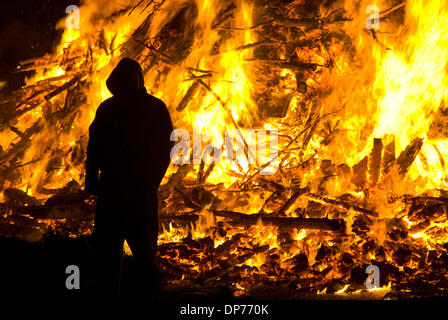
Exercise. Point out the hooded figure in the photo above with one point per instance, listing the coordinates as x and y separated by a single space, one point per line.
127 156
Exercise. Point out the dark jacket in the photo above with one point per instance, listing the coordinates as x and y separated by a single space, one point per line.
129 139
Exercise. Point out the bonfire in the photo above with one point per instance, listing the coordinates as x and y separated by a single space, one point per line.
351 103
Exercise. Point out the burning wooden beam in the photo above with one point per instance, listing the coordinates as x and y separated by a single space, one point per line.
64 87
342 204
388 152
375 161
407 157
67 211
187 97
241 219
360 173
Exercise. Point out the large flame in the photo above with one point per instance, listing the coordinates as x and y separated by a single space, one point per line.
411 85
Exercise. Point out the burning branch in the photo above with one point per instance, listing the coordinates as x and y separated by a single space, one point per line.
241 219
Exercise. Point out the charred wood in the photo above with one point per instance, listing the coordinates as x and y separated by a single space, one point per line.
66 211
341 204
300 223
375 161
408 156
190 93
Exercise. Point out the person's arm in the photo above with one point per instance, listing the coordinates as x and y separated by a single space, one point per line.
92 163
166 128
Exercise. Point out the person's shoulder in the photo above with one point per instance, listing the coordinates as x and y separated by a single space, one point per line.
155 106
155 101
106 105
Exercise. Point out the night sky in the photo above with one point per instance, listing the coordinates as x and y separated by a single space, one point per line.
27 30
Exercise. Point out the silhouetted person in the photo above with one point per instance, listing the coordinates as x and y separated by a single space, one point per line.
127 156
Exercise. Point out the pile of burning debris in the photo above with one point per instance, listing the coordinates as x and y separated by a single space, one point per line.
346 194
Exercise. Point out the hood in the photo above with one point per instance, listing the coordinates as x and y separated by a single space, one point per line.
126 79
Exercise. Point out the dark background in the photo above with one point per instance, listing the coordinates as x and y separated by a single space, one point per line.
27 30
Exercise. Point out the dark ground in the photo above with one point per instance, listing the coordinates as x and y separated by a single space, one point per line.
38 269
36 272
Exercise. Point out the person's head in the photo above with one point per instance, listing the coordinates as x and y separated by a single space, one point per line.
126 79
